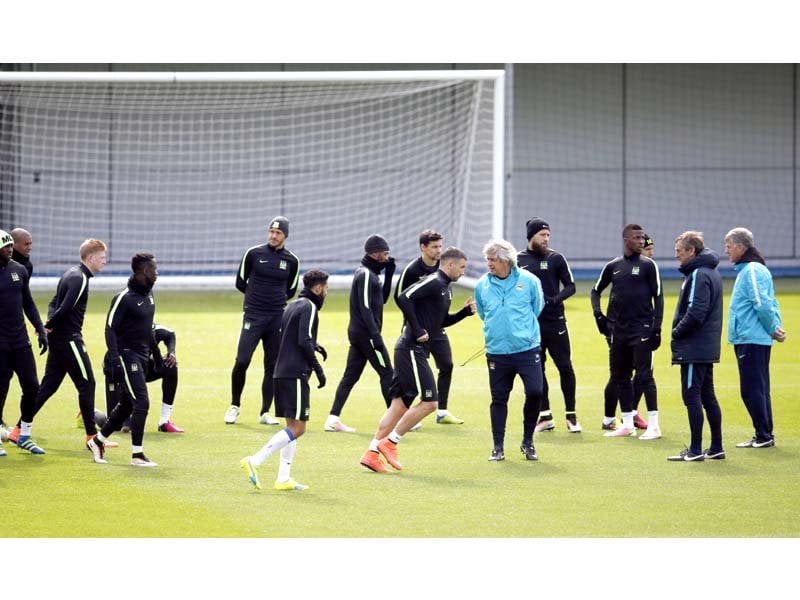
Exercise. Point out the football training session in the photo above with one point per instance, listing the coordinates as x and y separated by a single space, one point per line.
425 301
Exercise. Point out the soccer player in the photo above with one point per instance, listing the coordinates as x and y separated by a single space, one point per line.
425 307
754 325
23 243
129 337
163 367
21 253
267 276
16 355
558 284
367 297
610 393
635 312
296 360
509 301
65 314
696 335
430 245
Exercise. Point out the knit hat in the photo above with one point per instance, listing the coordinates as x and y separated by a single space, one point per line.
648 241
5 239
281 223
535 225
375 243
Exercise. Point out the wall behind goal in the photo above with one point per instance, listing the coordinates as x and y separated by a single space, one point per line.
672 147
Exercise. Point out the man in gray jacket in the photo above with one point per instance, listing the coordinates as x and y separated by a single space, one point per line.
696 335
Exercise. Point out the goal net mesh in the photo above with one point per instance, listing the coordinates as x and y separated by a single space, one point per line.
194 171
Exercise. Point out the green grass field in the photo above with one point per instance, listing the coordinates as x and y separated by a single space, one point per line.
583 486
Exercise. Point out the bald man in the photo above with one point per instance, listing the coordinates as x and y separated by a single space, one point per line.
23 242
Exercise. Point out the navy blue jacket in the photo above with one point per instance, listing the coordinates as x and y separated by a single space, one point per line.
697 325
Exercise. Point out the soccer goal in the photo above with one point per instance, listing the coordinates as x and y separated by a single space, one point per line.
192 166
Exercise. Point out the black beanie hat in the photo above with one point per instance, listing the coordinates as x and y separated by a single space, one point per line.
375 243
281 223
535 225
648 241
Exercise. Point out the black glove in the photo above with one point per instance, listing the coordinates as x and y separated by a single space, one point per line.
321 350
377 343
602 323
391 265
320 376
655 340
42 343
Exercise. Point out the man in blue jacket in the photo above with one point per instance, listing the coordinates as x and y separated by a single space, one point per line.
696 335
754 324
509 301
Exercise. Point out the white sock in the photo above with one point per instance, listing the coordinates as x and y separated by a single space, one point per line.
276 442
332 420
441 412
166 411
25 428
373 445
285 467
652 422
627 420
546 413
137 449
394 436
608 420
101 437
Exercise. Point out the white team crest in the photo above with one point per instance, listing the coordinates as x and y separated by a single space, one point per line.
134 368
282 265
543 265
14 277
246 326
428 394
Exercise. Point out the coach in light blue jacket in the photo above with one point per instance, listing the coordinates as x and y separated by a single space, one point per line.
509 301
754 321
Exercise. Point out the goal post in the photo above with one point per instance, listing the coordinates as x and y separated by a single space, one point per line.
192 166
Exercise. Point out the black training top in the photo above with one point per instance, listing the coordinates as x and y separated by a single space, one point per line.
425 306
67 309
366 300
636 305
299 327
25 261
129 325
267 278
557 282
16 299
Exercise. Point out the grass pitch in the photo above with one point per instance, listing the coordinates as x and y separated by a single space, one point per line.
584 485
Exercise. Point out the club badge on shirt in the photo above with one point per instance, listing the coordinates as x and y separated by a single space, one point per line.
282 265
543 265
14 277
635 271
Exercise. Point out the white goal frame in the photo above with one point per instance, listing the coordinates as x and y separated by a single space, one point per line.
496 76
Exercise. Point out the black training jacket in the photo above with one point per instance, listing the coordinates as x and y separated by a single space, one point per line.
267 278
558 284
697 324
67 309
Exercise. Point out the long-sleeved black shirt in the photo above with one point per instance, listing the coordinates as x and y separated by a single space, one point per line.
16 300
25 261
366 300
67 309
267 278
425 306
636 305
558 284
129 325
299 326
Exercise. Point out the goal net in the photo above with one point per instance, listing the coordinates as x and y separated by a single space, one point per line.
192 166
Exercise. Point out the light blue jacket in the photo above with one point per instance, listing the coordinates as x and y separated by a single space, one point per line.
510 311
753 315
